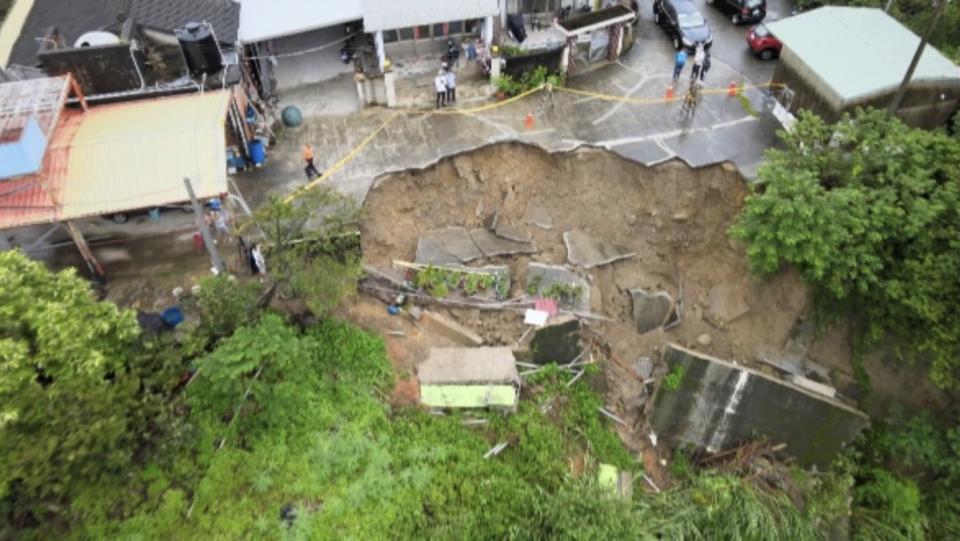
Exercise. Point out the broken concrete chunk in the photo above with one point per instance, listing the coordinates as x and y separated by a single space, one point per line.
450 245
650 310
491 245
726 306
811 385
558 343
644 367
587 251
450 329
506 231
538 216
561 283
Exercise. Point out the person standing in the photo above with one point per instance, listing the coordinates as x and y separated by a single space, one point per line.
678 62
440 84
698 58
257 262
451 87
706 67
310 169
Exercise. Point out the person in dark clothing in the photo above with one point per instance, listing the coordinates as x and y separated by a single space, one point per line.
705 68
310 170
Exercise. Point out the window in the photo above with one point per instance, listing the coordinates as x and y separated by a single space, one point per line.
474 26
389 36
439 31
456 27
423 31
406 33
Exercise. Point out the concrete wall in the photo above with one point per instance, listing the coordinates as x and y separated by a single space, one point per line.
719 405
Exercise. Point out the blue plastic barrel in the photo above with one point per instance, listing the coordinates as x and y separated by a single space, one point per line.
258 153
172 316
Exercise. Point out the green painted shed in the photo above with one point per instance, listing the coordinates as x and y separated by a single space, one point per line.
469 378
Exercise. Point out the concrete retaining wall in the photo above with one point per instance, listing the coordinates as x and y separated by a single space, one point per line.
719 405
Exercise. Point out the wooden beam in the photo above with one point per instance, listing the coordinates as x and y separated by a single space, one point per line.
92 264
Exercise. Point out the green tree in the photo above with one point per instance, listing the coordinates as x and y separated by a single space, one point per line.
868 210
312 246
70 387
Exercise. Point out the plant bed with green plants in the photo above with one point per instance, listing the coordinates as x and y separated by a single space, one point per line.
442 282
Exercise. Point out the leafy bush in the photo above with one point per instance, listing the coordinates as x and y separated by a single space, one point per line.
535 78
868 210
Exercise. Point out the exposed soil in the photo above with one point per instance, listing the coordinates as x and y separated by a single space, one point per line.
675 218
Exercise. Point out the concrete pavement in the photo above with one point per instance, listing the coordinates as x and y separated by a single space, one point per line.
723 128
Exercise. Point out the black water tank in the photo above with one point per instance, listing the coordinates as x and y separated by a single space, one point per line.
200 49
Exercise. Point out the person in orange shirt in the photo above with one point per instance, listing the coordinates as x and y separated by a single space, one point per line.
310 170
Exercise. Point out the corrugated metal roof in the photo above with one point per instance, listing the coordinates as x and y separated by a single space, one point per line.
124 156
859 51
388 14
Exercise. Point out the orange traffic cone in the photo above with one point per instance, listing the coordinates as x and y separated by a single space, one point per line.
669 94
732 89
528 122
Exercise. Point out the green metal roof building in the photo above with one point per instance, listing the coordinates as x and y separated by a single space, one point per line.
835 59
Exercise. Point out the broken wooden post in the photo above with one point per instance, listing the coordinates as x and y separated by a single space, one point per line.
612 416
495 450
92 264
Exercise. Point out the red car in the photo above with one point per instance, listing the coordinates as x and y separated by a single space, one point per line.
763 43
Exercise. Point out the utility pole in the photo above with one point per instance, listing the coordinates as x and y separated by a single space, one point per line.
939 6
889 5
204 229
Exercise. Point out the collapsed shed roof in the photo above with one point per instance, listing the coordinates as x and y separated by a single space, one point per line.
468 365
122 157
858 52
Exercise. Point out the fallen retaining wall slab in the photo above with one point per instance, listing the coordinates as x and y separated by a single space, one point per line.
717 405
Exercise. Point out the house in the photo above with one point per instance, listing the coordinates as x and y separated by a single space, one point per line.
835 59
112 46
469 378
61 164
289 51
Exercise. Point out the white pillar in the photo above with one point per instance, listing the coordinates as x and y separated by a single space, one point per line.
487 31
381 54
503 15
388 81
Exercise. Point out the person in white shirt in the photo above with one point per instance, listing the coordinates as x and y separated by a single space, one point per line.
440 82
451 87
698 57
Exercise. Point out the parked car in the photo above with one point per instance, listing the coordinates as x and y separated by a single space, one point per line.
741 11
763 43
683 23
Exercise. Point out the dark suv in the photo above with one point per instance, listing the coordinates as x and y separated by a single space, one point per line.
742 11
683 23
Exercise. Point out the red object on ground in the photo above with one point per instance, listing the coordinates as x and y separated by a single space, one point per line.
546 305
528 122
197 241
732 89
669 94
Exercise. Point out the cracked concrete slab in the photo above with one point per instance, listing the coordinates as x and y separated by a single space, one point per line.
650 310
508 232
492 245
645 152
450 245
587 251
541 277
